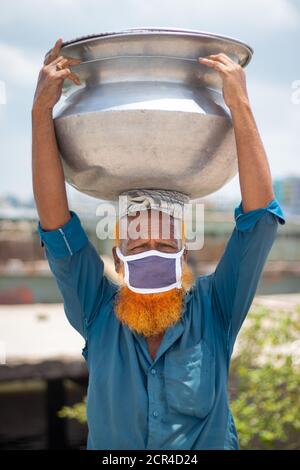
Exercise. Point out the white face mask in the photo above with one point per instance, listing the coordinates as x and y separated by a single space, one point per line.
152 271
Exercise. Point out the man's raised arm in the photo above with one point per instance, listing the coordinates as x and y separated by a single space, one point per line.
74 261
254 172
237 274
47 172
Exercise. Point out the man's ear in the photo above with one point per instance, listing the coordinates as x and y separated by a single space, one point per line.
117 260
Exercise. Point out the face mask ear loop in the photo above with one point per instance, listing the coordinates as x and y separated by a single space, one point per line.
178 268
125 263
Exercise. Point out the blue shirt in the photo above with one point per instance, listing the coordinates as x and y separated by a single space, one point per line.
179 399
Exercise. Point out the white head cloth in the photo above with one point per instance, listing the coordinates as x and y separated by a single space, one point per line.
170 202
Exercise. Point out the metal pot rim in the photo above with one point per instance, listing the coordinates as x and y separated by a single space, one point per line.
144 31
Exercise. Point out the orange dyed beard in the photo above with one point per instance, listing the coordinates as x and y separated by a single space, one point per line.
152 314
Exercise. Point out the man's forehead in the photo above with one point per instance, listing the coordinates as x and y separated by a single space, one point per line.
151 214
151 223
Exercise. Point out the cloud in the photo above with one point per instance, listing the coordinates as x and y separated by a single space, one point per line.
218 15
278 120
17 66
38 22
272 27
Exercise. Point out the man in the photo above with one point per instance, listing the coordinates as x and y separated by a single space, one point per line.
158 359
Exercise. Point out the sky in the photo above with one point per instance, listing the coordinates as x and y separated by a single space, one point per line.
29 28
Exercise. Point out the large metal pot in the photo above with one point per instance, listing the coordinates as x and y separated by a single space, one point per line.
147 115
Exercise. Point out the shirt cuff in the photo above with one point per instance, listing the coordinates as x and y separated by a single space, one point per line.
65 240
246 221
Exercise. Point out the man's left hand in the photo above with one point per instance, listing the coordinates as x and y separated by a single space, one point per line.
233 76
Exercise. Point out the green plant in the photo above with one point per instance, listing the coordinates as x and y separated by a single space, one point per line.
265 380
77 411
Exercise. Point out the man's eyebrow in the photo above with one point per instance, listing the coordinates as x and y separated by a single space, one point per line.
136 244
165 243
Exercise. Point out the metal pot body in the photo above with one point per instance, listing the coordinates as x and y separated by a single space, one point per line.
147 114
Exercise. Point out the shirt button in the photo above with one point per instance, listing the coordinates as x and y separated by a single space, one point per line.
155 414
153 371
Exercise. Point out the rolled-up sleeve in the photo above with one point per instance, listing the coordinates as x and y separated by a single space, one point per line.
238 272
78 270
65 240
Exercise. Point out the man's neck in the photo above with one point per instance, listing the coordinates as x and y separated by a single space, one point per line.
153 343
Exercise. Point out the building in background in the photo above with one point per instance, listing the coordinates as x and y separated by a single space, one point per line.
287 191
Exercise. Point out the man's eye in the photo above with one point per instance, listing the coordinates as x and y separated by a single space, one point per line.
167 248
162 248
137 250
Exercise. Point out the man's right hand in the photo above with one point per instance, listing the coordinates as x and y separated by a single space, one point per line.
51 77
